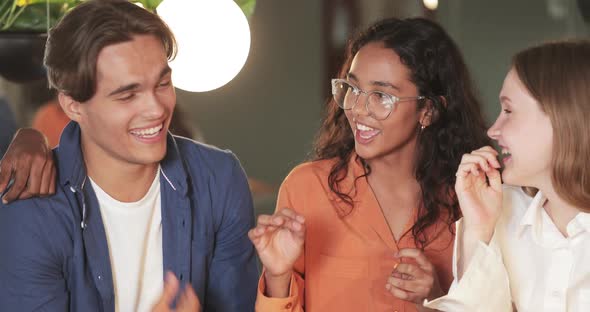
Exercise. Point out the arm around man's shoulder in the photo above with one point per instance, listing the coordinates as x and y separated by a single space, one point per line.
32 257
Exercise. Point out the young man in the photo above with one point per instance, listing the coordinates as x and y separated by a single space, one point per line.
132 202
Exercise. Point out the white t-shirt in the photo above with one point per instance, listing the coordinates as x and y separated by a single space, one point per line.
134 236
528 263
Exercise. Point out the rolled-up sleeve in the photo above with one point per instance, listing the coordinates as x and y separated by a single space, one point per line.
483 287
292 303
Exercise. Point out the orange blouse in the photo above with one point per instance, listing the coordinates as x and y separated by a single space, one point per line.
347 260
50 120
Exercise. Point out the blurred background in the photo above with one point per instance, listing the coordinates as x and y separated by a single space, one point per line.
269 113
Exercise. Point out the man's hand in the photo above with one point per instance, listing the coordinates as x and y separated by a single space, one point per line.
27 169
188 300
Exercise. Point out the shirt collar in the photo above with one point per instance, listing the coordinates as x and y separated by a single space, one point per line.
533 217
70 161
584 219
581 223
351 183
72 169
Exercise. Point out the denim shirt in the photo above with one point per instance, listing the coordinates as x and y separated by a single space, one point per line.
54 254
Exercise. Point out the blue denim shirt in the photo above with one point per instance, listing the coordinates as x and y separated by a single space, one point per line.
49 261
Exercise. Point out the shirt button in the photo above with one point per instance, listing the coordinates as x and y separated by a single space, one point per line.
289 305
100 277
556 293
181 277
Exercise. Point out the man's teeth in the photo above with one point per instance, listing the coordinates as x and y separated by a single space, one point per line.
363 127
148 132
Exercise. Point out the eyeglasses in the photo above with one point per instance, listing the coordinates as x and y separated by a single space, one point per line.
378 104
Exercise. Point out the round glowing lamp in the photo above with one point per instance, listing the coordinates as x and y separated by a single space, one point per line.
431 4
213 40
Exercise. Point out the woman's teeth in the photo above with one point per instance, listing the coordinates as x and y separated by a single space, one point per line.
363 127
366 132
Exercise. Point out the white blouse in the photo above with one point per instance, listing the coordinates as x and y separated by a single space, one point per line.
528 265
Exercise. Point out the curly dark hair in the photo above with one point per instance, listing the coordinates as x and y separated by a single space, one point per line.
458 127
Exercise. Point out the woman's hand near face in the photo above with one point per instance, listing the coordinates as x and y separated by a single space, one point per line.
479 190
279 240
414 281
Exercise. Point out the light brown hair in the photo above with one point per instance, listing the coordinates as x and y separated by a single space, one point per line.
74 44
557 74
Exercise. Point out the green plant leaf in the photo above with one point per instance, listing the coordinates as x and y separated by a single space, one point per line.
33 16
150 5
247 6
30 2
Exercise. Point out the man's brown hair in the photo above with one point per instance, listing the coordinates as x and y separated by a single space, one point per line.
74 44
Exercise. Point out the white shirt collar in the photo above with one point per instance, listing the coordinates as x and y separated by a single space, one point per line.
581 223
533 219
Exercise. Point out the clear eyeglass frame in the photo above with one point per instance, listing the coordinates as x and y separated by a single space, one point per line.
378 104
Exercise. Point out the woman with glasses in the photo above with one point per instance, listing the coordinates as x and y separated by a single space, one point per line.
368 224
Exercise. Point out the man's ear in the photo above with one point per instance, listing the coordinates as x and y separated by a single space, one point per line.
70 106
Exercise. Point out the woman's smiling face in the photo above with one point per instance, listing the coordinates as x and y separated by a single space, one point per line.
525 135
377 68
